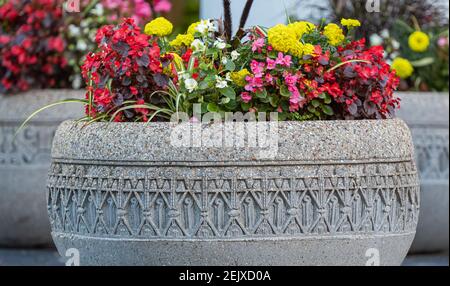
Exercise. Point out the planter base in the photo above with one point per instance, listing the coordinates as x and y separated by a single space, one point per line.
301 251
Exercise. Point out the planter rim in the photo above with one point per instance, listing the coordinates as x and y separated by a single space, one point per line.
311 141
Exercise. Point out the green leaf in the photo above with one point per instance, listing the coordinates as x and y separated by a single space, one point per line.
327 110
228 92
230 66
311 109
225 100
205 84
423 62
273 101
284 91
261 94
315 103
212 107
246 106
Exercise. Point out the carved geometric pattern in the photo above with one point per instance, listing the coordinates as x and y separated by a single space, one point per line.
190 202
432 152
31 146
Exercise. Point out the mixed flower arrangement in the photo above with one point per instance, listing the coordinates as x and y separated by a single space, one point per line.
419 56
300 70
41 46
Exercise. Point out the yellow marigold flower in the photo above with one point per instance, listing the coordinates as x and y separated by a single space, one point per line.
239 77
182 40
402 67
159 27
282 38
297 50
350 23
334 34
419 41
191 30
301 28
308 49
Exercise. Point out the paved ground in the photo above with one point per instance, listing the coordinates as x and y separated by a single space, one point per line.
19 257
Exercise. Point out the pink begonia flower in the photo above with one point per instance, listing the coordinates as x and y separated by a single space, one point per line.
269 79
257 68
163 6
139 10
271 64
258 45
246 97
285 61
254 83
291 80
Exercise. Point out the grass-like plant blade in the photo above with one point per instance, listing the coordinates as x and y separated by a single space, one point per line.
65 101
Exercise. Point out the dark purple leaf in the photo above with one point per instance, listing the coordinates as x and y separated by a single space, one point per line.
143 61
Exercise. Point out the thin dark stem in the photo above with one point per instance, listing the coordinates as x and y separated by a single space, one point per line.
152 8
228 22
245 13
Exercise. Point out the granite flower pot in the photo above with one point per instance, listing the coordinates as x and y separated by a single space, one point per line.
333 193
24 164
427 114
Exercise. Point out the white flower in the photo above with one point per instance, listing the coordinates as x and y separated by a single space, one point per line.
191 84
74 30
212 27
98 10
228 77
206 26
376 40
224 60
81 45
385 33
203 27
220 44
394 55
395 44
235 55
198 45
221 83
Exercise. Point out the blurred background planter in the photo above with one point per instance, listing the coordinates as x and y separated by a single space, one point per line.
427 114
334 193
24 164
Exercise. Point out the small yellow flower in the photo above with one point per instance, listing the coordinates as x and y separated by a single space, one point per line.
159 27
182 40
402 67
239 77
301 28
282 38
177 61
297 50
308 49
334 34
419 41
191 30
350 23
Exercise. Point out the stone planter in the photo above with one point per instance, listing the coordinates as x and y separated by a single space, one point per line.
334 193
24 164
427 114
